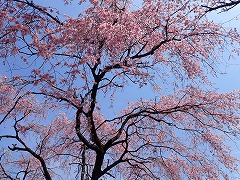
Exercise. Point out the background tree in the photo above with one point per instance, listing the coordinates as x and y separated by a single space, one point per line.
61 77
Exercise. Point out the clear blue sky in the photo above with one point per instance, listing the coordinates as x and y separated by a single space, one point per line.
230 79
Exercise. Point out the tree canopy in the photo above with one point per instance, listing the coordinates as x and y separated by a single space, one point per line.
61 76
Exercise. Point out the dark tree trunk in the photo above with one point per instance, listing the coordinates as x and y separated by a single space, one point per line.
97 172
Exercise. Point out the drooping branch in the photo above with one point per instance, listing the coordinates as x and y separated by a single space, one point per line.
222 5
40 9
3 172
26 148
12 109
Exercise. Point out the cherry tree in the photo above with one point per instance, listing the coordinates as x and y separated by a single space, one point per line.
62 80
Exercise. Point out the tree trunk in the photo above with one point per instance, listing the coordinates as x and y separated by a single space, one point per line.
83 164
97 172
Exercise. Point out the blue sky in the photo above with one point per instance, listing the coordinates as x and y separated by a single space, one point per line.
230 79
